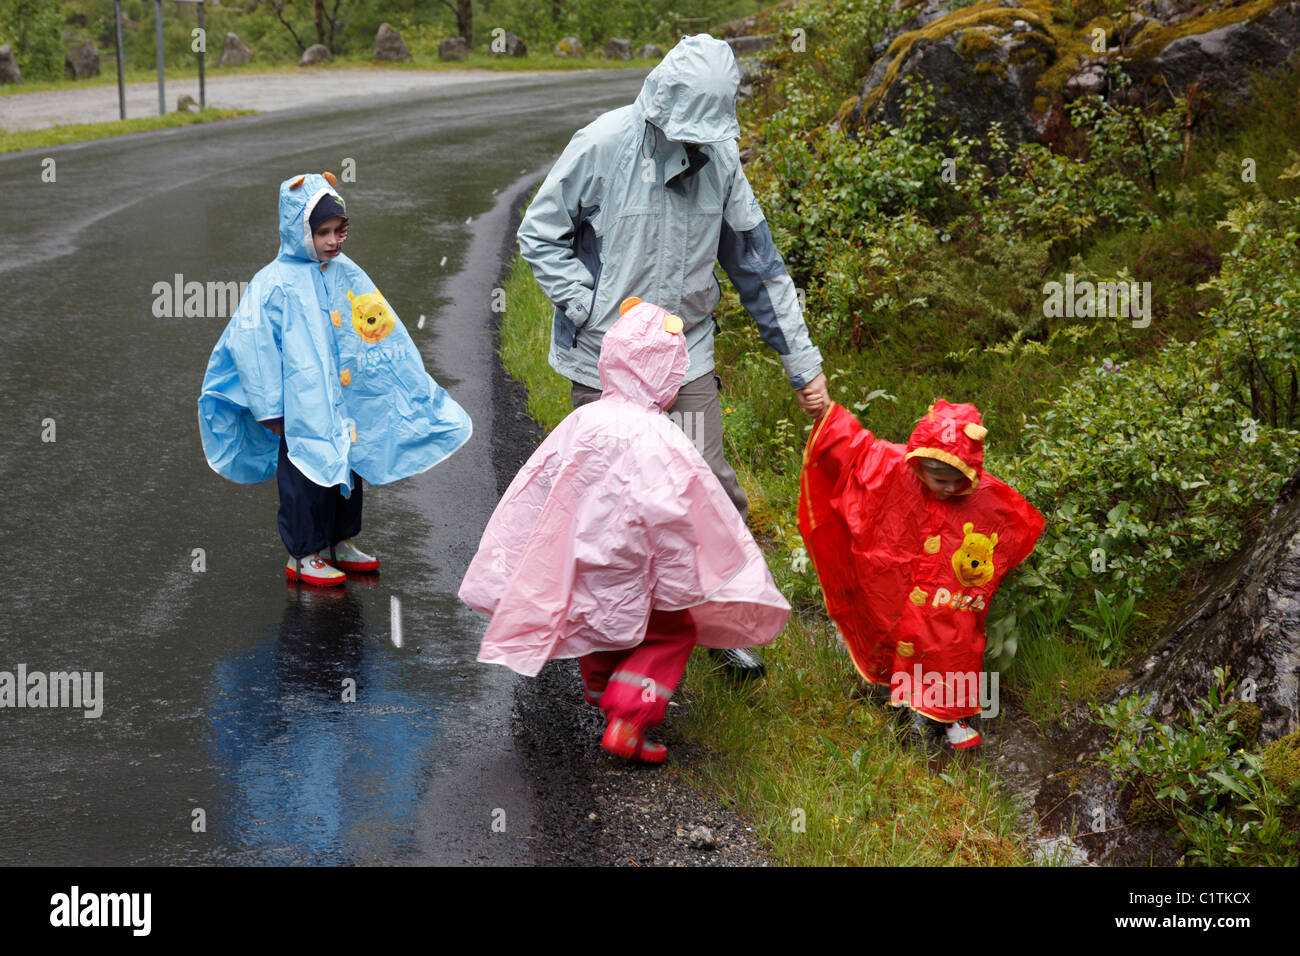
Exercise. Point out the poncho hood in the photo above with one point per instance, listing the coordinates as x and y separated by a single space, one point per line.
643 357
298 197
691 94
954 435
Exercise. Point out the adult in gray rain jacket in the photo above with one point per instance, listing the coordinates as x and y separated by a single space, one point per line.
643 202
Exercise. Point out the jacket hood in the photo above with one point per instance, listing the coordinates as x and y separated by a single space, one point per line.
643 356
954 435
298 197
691 94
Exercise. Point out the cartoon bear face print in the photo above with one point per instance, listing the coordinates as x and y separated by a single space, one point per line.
973 561
371 316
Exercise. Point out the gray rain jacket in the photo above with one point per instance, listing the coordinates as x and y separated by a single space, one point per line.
626 211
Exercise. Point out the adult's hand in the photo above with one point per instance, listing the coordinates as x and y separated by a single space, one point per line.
814 398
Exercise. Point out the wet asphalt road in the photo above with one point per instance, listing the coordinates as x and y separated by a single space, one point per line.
222 688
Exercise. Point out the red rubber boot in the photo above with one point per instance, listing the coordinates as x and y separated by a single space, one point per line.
623 739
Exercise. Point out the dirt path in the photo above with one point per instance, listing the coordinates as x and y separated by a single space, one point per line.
249 91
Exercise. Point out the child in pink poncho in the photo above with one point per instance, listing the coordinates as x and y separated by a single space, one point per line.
616 544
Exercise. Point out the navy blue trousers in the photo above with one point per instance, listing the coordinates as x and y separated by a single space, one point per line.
313 518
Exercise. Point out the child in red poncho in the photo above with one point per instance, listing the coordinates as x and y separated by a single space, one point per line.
910 544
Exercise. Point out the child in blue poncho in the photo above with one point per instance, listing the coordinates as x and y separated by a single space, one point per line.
316 381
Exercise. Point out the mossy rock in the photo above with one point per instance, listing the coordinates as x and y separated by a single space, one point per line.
1145 811
1219 49
1247 715
1282 764
986 58
992 69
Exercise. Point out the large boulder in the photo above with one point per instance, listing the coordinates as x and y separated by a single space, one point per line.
570 46
234 53
82 61
982 62
1218 49
389 45
508 45
9 72
997 61
316 53
650 52
454 48
618 49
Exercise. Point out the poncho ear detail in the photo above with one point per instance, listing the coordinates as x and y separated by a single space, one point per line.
330 178
631 302
297 182
975 432
673 324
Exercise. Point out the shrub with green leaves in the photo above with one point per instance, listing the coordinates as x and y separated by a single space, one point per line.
1260 312
1200 778
34 29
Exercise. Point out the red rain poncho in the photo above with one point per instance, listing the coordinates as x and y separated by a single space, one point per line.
615 514
908 577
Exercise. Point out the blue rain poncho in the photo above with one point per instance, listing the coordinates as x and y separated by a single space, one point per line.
316 344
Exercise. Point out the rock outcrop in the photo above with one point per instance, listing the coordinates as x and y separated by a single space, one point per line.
618 49
650 52
1015 61
390 46
1218 50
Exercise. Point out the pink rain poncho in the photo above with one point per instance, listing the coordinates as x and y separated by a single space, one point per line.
614 515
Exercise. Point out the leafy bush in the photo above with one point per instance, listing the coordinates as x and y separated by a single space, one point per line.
1260 284
1202 780
34 28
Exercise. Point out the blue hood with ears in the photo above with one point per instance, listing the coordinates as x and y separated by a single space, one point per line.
298 197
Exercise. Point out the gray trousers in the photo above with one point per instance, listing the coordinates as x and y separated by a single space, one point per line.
699 415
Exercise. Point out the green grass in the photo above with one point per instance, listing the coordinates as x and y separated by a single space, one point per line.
525 341
11 142
828 780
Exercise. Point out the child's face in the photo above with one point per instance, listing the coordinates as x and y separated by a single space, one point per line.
942 487
329 237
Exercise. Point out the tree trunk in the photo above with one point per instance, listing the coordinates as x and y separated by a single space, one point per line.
320 22
465 20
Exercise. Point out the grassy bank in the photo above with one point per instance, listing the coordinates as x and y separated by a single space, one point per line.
12 142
